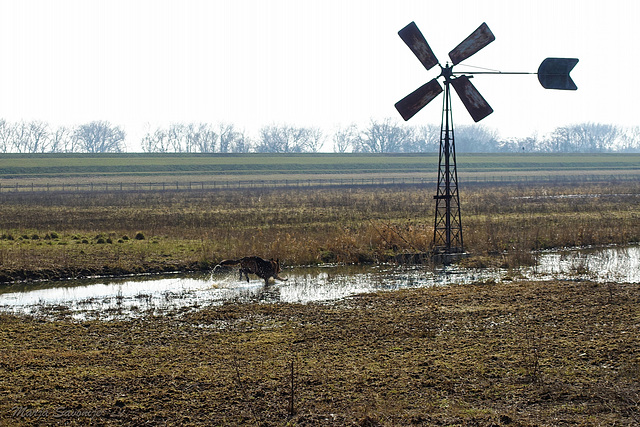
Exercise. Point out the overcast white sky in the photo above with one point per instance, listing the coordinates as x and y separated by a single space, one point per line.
322 63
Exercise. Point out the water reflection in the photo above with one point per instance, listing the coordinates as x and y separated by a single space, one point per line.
111 299
614 264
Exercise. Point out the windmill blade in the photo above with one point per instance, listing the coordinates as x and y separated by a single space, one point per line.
481 37
412 103
412 36
553 73
471 98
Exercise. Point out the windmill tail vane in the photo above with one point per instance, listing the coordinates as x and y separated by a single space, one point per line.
553 73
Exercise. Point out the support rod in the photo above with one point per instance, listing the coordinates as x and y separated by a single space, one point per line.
489 72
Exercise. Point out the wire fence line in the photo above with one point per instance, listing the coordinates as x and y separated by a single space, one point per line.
213 185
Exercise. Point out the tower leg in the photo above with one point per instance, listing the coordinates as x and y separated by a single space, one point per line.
447 232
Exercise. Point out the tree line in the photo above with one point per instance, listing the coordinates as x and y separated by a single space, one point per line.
378 136
38 137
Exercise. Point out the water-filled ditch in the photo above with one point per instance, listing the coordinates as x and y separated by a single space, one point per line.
132 297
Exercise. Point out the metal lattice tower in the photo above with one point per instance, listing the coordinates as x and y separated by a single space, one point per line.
447 228
553 73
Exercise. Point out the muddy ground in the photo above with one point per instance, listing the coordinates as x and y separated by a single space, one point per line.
516 353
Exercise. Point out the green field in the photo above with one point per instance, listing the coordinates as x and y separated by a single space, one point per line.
32 171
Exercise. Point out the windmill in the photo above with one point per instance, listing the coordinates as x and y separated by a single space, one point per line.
553 73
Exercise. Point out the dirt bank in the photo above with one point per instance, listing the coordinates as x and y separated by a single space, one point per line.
521 353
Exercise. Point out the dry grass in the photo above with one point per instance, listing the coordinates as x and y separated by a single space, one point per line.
193 230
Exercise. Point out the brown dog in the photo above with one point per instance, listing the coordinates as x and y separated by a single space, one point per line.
258 266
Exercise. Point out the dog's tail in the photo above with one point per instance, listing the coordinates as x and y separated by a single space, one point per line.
226 262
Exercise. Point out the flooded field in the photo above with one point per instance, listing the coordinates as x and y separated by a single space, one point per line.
108 299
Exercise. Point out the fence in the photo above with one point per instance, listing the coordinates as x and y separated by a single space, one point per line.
303 183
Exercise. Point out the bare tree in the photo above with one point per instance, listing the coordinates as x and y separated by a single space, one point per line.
314 139
196 137
204 138
426 139
274 139
520 145
559 141
156 142
630 139
20 138
476 139
177 137
240 143
189 137
100 137
288 139
344 139
63 140
383 137
584 138
228 137
6 136
40 136
596 137
31 137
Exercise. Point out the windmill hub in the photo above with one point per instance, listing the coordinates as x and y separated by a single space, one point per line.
447 72
553 73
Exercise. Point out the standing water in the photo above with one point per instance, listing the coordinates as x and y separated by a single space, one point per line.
132 297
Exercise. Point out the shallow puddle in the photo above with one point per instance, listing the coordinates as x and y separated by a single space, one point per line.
152 295
621 265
